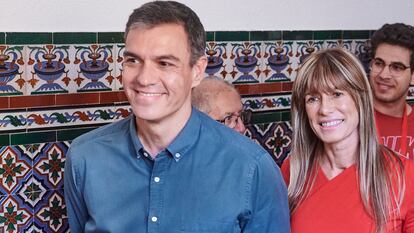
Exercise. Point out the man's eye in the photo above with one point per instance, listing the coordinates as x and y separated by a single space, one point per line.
379 63
130 60
165 64
397 67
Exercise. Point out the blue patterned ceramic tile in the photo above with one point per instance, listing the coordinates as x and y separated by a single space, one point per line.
48 165
50 213
118 59
277 61
15 169
63 117
267 103
217 56
95 67
243 63
15 216
12 69
48 67
275 137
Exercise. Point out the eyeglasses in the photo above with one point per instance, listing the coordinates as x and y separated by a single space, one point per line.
396 68
232 120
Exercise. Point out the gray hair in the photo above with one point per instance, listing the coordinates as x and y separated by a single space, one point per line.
203 95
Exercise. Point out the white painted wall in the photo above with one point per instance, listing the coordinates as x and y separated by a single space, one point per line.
216 15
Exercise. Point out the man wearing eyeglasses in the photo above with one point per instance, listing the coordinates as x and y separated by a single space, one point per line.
391 75
221 101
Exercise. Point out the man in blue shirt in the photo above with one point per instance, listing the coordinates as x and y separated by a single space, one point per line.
169 168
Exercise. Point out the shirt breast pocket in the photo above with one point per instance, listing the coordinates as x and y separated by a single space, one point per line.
210 227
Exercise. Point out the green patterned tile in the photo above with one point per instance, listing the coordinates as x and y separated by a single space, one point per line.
209 36
70 134
74 38
30 138
2 37
297 35
13 38
4 140
360 34
267 117
327 35
286 116
232 36
110 37
265 35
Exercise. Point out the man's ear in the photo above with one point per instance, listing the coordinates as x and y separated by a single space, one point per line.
198 70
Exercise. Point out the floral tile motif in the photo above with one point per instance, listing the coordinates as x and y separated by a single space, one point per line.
95 67
32 192
48 166
50 214
14 216
63 117
267 103
277 61
216 55
119 51
12 70
15 169
13 121
275 137
245 59
47 69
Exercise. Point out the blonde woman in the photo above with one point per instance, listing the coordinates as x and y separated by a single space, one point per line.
340 179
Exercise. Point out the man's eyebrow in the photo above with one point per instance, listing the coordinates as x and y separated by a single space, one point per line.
168 57
130 54
161 57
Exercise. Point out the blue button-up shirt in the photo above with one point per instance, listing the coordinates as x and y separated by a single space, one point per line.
210 179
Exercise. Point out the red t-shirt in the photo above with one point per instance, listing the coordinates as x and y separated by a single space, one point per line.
390 129
335 205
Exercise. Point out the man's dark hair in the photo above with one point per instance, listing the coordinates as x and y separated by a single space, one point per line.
395 34
164 12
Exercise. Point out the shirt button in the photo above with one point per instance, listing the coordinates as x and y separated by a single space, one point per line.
156 179
154 219
177 155
145 154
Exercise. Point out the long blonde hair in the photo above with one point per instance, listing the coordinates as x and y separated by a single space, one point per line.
376 172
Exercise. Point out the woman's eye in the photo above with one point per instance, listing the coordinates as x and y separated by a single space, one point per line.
311 100
337 94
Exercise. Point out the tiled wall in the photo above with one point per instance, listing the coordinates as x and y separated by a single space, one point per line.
57 86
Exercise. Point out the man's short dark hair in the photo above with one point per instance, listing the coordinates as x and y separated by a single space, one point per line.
395 34
164 12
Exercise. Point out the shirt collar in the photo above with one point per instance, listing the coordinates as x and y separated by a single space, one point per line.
134 137
182 142
187 136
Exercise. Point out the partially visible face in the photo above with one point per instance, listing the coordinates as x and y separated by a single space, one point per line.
157 76
333 116
227 104
389 88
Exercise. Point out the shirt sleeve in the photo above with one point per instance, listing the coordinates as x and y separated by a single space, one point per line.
75 205
269 202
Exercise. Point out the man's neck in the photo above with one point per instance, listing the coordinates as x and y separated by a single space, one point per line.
156 136
392 109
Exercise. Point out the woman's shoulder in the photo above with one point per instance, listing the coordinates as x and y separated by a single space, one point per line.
285 169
